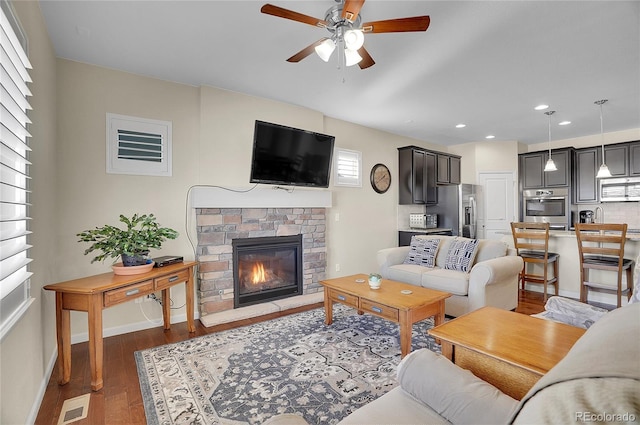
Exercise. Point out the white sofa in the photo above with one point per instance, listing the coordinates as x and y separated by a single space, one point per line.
597 381
492 278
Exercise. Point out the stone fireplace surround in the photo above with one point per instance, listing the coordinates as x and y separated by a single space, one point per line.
255 214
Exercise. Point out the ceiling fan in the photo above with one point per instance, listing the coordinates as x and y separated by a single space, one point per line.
343 21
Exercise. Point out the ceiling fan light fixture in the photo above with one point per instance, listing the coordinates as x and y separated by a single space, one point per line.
353 39
325 49
351 57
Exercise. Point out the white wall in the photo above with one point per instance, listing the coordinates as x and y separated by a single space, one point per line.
89 197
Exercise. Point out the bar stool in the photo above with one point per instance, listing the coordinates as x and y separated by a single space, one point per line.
531 241
601 247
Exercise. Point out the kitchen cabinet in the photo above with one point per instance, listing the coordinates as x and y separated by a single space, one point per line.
417 180
634 159
533 176
617 159
448 169
587 163
454 170
531 170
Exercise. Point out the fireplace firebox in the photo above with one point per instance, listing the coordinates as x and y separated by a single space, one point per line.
266 268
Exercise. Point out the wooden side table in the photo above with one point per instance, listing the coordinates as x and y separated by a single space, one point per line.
509 350
95 293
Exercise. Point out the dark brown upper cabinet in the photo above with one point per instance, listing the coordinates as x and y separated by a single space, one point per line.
617 159
533 176
417 179
585 188
634 159
448 169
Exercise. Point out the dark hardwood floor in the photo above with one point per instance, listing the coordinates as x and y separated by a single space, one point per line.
120 401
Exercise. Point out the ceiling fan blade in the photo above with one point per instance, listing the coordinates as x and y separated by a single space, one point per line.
367 60
415 23
351 9
306 51
280 12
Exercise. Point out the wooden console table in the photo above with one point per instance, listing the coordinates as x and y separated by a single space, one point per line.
511 351
95 293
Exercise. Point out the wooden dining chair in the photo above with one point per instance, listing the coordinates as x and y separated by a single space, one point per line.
601 247
531 241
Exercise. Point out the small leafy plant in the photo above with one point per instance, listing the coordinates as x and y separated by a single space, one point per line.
142 233
375 276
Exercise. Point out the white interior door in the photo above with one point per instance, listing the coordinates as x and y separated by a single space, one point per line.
498 206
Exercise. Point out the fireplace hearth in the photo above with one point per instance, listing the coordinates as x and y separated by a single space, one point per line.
266 268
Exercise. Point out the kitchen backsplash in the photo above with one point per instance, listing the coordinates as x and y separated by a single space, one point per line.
403 214
616 212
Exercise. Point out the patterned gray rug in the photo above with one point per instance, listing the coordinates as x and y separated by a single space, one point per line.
293 364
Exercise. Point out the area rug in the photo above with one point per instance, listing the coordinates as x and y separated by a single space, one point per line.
293 364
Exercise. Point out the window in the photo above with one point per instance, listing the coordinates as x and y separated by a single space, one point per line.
138 146
15 295
348 168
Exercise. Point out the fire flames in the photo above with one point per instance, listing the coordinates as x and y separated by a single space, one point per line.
259 275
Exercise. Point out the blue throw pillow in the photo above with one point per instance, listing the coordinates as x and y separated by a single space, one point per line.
461 254
423 252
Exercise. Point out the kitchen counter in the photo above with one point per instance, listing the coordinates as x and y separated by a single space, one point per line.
634 236
405 234
565 244
434 230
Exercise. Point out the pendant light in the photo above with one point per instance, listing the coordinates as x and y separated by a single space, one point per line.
550 165
603 172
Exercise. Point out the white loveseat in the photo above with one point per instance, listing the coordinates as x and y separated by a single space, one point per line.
491 278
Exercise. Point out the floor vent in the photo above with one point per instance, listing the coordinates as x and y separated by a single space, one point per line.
74 409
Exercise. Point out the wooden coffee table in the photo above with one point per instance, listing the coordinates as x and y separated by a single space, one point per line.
509 350
387 302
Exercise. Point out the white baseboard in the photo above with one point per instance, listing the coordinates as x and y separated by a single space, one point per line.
37 402
131 327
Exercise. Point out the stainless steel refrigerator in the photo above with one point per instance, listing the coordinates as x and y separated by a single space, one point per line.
457 209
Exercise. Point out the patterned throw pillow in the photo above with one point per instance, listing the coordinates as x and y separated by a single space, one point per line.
461 254
423 252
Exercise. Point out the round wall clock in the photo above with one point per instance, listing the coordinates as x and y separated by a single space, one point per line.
380 178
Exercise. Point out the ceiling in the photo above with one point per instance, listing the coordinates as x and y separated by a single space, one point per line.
486 64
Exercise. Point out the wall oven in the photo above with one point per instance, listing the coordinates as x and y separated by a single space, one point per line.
547 206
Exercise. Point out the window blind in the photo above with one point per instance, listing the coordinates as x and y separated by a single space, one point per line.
348 164
14 171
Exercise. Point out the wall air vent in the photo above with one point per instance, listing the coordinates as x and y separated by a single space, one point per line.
138 146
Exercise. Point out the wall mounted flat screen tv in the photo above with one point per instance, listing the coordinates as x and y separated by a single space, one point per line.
290 156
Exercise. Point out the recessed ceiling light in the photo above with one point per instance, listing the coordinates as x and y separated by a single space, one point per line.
491 136
461 125
541 107
564 123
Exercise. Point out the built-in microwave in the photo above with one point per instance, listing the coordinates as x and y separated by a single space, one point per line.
620 189
547 206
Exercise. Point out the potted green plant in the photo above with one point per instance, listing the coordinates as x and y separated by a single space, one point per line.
132 244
